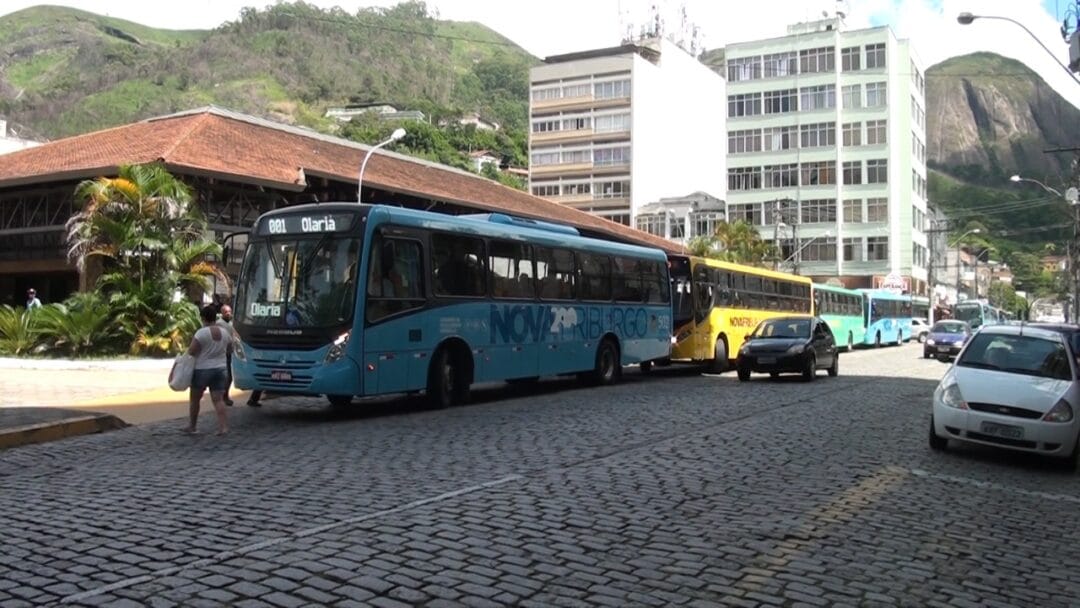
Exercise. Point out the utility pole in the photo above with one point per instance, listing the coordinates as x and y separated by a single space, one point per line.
931 238
777 218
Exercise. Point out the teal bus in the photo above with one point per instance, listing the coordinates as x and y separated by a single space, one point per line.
978 313
348 299
886 317
842 310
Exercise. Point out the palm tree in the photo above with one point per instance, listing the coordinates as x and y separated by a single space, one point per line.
146 230
737 242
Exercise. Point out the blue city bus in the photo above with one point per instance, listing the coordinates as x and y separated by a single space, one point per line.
978 313
886 317
347 299
842 310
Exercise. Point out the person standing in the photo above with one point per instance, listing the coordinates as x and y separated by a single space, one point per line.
225 321
209 346
32 300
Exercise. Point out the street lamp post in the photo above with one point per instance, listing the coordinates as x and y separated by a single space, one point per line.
984 251
1071 196
967 18
799 249
959 241
396 135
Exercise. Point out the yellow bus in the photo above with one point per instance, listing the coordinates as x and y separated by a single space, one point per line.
716 304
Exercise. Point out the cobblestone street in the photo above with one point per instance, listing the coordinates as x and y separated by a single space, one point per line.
669 489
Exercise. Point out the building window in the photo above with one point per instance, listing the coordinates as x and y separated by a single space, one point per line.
852 134
653 223
576 90
546 190
877 171
875 56
618 218
780 64
545 126
611 122
615 189
779 102
751 214
546 93
778 138
852 172
744 68
817 98
703 223
744 141
676 227
876 132
612 90
876 95
781 176
818 211
849 59
575 157
577 189
744 178
748 104
877 210
540 159
819 173
853 250
817 60
605 157
853 211
577 123
818 135
877 248
851 96
818 250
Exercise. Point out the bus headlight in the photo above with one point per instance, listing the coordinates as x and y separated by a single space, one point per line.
337 351
238 351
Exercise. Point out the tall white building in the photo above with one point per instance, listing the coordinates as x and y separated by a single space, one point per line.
826 152
614 129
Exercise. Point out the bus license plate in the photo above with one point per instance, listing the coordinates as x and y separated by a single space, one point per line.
280 375
1002 430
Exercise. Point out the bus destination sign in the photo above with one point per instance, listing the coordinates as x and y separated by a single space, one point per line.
306 223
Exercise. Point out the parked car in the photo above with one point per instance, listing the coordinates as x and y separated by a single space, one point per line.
1012 387
920 328
795 344
946 339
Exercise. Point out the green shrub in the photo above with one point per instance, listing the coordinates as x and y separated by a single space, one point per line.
19 332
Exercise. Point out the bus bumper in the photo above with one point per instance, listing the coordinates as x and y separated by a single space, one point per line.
304 373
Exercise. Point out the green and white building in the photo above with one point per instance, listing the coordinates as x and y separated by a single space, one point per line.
826 152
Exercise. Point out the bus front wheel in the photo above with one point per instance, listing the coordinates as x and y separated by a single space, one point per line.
339 400
720 358
608 366
448 384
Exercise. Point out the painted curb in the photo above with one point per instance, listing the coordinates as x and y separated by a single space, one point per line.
61 429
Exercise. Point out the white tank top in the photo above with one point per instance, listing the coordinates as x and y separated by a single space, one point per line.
212 355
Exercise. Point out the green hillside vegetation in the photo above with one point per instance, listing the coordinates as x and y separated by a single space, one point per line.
65 71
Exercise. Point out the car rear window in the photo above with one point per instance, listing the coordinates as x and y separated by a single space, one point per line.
1027 355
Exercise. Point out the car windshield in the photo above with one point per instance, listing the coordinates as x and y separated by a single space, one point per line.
1027 355
783 328
949 327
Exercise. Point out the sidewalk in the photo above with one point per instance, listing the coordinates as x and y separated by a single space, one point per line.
56 392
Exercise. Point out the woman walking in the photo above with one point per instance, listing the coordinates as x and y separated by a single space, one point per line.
209 347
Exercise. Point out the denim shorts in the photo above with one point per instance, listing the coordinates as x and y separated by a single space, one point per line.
217 380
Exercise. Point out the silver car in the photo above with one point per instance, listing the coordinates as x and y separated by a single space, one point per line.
1013 387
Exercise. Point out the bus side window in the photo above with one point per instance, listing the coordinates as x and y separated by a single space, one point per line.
394 278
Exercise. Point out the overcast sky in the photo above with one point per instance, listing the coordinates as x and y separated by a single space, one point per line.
549 27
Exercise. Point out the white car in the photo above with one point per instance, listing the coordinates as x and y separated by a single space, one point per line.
1013 387
920 328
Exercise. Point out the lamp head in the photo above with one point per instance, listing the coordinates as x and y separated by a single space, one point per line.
1015 178
965 18
397 134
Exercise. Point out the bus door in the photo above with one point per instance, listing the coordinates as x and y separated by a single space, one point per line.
224 279
393 338
703 305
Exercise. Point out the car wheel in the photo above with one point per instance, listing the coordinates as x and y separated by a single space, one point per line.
938 444
877 340
925 354
834 369
1072 463
850 342
744 373
810 371
922 338
774 375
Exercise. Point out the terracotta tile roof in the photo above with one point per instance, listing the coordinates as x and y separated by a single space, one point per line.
252 150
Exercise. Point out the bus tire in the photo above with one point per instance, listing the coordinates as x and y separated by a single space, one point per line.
850 342
877 340
339 400
646 367
608 367
719 363
448 379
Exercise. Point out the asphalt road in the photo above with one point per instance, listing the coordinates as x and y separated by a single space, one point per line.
672 489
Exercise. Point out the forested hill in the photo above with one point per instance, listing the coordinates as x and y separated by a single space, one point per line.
65 71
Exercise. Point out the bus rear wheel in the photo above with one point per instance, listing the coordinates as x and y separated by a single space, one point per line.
608 366
447 381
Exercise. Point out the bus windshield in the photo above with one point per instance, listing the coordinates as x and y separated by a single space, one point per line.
298 282
971 313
